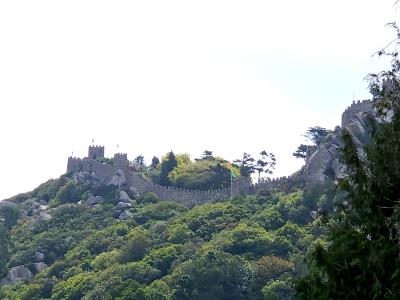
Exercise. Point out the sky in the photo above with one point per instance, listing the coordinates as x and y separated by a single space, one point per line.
147 77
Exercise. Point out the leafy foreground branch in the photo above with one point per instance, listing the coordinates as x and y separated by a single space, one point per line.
361 256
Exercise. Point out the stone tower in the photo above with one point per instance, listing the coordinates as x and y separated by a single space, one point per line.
96 152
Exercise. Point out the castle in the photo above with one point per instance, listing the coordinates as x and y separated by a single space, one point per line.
355 108
118 171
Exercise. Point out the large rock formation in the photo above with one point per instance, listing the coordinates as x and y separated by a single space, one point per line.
324 163
16 275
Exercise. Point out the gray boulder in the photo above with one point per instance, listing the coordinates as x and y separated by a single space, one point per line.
45 216
39 256
91 201
318 164
123 197
123 205
125 215
40 266
18 274
119 178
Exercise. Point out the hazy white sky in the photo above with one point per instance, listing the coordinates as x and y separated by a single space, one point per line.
151 76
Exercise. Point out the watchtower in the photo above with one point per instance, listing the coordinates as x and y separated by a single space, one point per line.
96 152
120 160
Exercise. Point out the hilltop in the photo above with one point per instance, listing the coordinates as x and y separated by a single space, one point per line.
107 230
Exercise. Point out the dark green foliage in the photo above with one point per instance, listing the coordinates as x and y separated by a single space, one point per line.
202 174
317 134
278 290
155 161
266 163
269 218
109 192
140 160
71 192
163 258
166 167
136 247
235 249
158 211
49 189
9 216
215 275
362 257
246 164
207 154
303 150
4 250
148 198
220 177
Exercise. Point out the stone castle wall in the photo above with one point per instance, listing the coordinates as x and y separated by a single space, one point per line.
118 173
96 152
187 197
271 184
355 108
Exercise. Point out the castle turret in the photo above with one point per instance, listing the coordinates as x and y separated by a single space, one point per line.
74 164
120 160
354 109
96 152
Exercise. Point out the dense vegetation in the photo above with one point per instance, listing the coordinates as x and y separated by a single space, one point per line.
207 172
360 258
247 247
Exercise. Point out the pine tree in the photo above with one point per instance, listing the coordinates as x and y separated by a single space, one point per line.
166 167
361 258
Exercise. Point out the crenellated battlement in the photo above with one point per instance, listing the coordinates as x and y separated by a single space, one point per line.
121 156
74 164
96 152
359 106
119 174
280 183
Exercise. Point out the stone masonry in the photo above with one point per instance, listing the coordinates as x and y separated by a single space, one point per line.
121 174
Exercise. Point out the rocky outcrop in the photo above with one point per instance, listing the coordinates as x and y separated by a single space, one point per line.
44 216
5 203
324 163
39 266
123 205
123 197
16 275
125 215
39 256
93 200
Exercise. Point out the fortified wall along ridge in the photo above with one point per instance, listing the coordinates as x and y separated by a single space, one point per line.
118 171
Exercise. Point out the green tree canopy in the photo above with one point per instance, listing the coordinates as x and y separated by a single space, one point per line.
155 161
302 151
166 167
361 259
317 134
246 164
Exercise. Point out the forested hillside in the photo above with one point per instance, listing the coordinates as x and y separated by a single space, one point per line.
64 247
330 231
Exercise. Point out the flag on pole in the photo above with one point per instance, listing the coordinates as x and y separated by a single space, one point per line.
233 175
